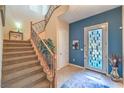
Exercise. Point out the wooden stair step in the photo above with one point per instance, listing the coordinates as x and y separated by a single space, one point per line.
20 73
9 67
12 49
16 44
43 84
15 41
18 67
20 59
16 62
14 52
28 81
9 82
17 54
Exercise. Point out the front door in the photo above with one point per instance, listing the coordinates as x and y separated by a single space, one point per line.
96 47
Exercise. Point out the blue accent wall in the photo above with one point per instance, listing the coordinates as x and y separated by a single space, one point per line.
76 32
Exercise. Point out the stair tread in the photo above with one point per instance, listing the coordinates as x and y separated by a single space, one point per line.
14 43
17 41
17 47
28 80
20 57
8 82
18 52
13 66
20 73
14 52
43 84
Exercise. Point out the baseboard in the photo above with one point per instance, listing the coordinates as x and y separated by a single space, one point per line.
77 66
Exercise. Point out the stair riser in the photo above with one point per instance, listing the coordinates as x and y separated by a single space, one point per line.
10 62
19 49
20 68
18 54
14 80
17 45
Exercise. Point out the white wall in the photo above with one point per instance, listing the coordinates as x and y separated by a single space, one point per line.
10 26
22 14
1 46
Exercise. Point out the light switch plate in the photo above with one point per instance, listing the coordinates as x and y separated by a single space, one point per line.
81 49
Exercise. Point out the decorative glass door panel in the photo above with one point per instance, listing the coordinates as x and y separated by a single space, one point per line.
95 48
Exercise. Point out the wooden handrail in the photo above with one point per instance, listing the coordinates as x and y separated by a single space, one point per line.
38 22
50 15
43 23
48 11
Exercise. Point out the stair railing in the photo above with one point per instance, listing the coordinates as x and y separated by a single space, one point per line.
52 8
42 49
48 56
41 25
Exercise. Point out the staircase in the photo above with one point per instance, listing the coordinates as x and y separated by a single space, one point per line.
21 68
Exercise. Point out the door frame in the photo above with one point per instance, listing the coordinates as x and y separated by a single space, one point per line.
103 26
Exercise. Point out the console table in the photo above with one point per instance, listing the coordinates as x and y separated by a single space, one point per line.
15 35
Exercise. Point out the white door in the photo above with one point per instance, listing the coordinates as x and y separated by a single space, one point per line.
62 49
96 47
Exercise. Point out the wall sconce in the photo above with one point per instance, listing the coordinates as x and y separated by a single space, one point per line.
18 26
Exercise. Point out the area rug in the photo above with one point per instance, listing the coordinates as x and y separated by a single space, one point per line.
84 80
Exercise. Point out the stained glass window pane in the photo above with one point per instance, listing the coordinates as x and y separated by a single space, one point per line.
95 48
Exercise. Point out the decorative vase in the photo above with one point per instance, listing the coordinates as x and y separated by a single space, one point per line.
114 74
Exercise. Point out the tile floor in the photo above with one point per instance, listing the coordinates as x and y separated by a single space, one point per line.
65 73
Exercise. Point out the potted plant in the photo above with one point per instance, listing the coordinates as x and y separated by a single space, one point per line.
50 44
114 62
45 51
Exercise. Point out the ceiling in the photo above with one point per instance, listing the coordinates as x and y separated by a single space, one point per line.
25 12
78 12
